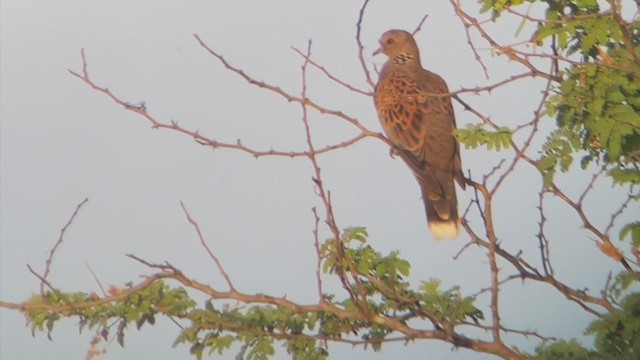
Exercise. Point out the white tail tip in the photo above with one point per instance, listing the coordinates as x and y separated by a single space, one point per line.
444 230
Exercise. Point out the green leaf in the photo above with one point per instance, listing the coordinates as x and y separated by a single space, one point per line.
618 332
403 267
196 350
632 229
625 176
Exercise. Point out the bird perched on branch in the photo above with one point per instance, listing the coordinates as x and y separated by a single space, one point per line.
415 110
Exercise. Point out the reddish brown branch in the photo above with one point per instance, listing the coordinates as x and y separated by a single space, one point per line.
528 272
520 152
419 27
621 209
497 348
470 21
363 64
330 76
524 333
543 243
49 262
288 97
475 52
316 244
43 281
196 226
214 144
167 271
604 238
325 196
95 277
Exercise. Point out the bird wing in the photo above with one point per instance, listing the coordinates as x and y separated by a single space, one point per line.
418 117
401 108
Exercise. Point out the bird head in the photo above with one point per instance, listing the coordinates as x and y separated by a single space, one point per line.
399 46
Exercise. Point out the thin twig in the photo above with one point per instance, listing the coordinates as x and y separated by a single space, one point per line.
330 76
476 55
49 262
323 193
621 209
316 244
95 277
543 242
603 237
141 110
419 27
196 226
509 52
363 64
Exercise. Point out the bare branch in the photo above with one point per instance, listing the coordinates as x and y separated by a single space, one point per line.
476 55
316 244
324 194
524 333
141 110
205 246
288 97
604 238
363 64
95 277
543 243
621 209
419 27
330 76
509 52
49 262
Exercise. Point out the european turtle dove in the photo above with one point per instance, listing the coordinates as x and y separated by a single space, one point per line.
417 115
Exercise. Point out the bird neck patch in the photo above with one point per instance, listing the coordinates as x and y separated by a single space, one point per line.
403 58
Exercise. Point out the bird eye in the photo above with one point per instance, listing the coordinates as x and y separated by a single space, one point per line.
390 41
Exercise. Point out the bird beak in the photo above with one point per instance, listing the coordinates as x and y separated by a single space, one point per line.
378 51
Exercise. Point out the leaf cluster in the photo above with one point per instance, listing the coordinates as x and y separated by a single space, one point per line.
382 279
597 102
378 282
617 336
44 310
475 135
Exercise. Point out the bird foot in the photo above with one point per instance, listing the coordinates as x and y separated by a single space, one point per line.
393 152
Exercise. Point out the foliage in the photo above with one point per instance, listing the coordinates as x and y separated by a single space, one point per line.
633 231
617 336
597 103
475 135
618 332
216 327
565 350
43 310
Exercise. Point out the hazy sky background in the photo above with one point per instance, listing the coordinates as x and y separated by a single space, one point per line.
61 142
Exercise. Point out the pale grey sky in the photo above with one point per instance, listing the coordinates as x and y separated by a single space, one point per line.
62 142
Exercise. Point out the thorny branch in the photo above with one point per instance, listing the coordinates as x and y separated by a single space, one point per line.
363 63
215 259
484 236
469 21
543 242
316 244
322 193
141 110
331 76
419 27
49 261
167 271
525 269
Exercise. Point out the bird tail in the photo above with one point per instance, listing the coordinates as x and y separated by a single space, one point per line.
442 210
